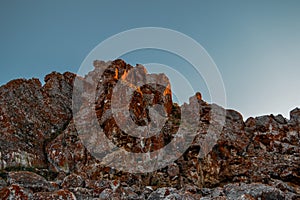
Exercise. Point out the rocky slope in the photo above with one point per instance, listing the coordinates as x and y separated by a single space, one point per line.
43 156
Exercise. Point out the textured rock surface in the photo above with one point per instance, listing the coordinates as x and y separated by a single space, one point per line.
43 157
15 192
59 194
29 180
31 115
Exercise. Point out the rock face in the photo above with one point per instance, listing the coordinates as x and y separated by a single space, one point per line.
44 154
31 115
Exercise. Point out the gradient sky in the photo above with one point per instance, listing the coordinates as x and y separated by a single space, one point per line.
255 44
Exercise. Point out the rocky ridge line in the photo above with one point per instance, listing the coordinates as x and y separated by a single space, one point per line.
42 156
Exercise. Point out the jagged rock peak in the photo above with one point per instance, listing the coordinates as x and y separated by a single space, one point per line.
42 154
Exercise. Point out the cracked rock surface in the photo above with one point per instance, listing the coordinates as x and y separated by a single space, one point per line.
43 155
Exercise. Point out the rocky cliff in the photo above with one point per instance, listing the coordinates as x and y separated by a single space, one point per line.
43 155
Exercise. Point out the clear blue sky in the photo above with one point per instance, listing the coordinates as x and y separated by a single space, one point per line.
255 44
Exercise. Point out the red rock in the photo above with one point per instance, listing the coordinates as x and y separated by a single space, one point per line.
29 180
73 181
66 152
15 192
97 185
30 116
258 158
60 194
84 193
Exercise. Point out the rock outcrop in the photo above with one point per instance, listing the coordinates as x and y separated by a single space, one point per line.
45 155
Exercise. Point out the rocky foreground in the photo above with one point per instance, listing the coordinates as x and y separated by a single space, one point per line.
42 155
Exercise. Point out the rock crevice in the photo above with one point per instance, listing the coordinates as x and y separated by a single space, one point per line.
43 156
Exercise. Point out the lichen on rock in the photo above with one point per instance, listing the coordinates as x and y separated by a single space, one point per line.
43 154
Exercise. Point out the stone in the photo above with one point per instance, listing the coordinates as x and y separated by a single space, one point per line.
66 153
2 183
15 192
295 115
44 154
173 170
29 180
73 181
162 193
59 194
84 193
32 114
108 194
129 193
256 191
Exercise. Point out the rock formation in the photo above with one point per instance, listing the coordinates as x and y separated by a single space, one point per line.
43 155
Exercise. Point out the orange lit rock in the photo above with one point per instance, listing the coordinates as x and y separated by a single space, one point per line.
41 151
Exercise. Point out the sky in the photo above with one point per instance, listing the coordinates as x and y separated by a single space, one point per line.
255 44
